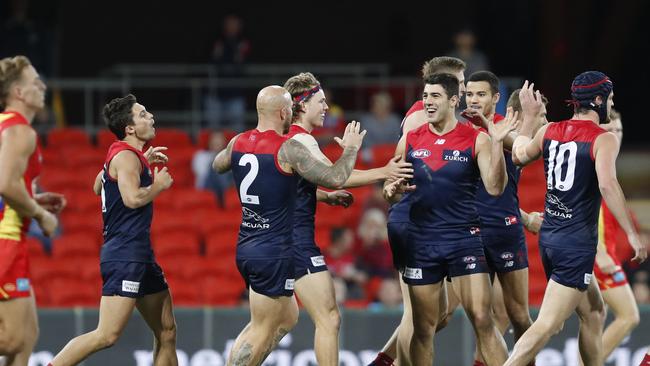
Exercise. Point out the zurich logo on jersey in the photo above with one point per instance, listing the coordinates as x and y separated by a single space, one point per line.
454 155
420 154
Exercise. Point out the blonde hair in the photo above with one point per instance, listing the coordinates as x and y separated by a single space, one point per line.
440 64
11 69
297 85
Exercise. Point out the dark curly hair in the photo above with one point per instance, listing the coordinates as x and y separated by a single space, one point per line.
117 115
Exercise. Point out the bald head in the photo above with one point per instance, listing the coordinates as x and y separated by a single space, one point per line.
272 99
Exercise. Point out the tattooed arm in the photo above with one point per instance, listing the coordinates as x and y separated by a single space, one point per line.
301 160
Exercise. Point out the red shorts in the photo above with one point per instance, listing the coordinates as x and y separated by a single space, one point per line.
611 280
14 270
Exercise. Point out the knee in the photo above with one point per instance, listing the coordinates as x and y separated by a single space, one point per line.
290 319
168 334
107 339
481 319
424 327
334 317
521 318
631 319
443 320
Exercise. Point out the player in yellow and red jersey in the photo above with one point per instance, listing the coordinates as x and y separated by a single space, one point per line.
22 95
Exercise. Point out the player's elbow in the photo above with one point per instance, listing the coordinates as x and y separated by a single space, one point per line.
132 202
607 186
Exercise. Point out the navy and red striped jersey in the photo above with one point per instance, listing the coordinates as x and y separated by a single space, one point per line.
127 231
267 195
572 195
446 175
304 214
502 212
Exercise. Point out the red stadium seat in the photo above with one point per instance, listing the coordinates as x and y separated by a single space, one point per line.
43 270
185 293
176 243
84 201
171 138
65 293
77 222
76 245
192 199
104 139
210 221
67 136
224 291
82 157
221 243
171 221
381 154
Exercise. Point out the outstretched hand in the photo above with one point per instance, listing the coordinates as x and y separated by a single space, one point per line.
340 198
499 131
154 155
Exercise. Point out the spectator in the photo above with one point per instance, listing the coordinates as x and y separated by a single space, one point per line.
389 295
382 124
226 108
465 49
340 261
374 253
340 290
205 176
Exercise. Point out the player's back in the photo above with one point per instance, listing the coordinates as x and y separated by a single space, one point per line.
11 225
572 196
127 231
446 175
267 195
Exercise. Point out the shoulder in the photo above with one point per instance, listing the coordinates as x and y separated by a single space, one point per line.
413 121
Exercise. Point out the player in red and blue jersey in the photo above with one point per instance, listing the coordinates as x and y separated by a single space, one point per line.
579 162
396 192
131 277
314 286
444 236
22 95
263 164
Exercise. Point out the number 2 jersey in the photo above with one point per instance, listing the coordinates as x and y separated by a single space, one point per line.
572 196
267 195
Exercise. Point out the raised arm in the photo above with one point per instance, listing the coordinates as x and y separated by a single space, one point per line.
605 152
301 160
222 161
525 148
18 143
126 167
489 154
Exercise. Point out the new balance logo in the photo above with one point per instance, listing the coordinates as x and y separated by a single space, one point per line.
439 141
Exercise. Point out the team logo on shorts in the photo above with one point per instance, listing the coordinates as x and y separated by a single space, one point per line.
587 278
420 154
413 273
469 259
9 286
288 284
318 261
22 284
507 256
474 230
130 286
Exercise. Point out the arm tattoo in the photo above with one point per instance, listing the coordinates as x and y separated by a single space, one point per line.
243 356
309 167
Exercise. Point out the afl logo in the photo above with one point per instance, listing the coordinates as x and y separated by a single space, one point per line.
507 255
421 154
469 259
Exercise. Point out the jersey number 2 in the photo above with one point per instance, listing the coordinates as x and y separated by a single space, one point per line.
247 159
558 161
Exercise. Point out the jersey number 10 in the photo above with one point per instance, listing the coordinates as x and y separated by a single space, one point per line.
558 161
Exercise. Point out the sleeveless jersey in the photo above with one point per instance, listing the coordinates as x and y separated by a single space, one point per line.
305 211
499 214
399 211
446 176
12 225
572 196
267 195
127 231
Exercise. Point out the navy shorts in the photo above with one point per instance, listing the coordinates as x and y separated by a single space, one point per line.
430 261
569 267
268 276
132 279
397 236
308 259
506 253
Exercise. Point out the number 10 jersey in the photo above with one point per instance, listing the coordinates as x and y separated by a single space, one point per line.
267 195
572 193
